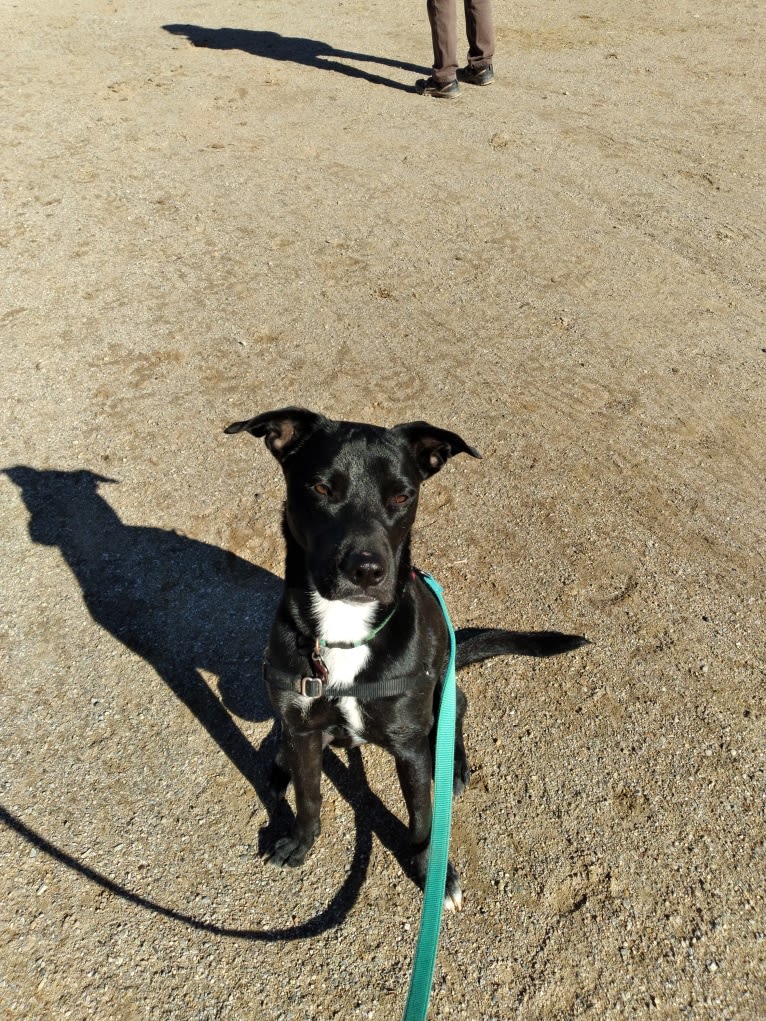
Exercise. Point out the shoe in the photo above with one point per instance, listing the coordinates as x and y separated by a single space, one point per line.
476 75
439 90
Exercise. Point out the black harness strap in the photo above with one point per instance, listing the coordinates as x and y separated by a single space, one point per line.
313 687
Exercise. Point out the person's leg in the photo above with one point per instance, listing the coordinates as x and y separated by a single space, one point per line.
480 29
442 15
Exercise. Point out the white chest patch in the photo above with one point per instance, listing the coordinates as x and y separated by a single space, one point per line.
338 621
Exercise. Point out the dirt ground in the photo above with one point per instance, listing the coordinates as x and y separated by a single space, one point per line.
210 210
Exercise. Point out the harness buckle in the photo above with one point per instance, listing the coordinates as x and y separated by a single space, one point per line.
311 687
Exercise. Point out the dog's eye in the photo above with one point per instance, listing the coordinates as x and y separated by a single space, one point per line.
321 488
399 499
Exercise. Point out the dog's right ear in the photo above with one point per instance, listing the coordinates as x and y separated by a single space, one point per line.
283 430
433 447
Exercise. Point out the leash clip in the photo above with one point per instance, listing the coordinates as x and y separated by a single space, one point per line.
320 667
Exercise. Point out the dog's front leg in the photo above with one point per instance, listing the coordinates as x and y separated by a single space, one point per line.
303 753
413 765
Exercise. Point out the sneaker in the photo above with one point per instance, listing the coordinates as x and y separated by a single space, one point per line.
476 75
439 90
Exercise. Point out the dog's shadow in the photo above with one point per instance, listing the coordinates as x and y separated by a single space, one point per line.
181 604
296 50
184 606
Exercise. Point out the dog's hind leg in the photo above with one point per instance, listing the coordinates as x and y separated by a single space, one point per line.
462 771
279 776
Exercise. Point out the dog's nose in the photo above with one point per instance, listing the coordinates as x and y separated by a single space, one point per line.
364 569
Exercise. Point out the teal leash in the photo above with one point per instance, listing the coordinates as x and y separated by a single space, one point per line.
441 822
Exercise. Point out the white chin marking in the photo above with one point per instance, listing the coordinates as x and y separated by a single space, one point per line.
339 621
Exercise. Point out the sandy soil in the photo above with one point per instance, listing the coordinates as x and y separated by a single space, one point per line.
211 210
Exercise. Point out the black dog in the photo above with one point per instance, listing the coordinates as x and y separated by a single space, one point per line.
359 645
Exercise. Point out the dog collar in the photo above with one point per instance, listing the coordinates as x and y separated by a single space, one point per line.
320 667
321 672
317 686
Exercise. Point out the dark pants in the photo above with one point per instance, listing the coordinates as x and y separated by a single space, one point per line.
479 27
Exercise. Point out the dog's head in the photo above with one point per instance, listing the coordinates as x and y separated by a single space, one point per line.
352 493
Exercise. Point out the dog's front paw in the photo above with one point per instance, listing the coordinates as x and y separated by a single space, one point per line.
289 852
453 895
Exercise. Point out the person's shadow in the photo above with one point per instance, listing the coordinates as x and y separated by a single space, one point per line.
310 52
185 606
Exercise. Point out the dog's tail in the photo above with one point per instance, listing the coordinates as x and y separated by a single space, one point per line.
475 644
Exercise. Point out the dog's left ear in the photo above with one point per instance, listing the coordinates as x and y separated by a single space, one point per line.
433 447
283 431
